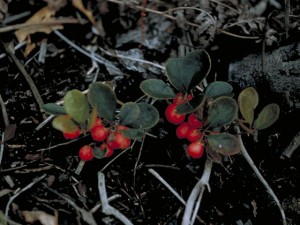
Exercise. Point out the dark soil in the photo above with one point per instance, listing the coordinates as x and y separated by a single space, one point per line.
236 197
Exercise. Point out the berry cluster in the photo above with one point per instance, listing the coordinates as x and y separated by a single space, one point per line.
110 139
189 130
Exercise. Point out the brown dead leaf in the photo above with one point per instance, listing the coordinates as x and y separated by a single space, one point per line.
29 48
45 14
79 5
9 132
42 217
32 157
5 192
3 6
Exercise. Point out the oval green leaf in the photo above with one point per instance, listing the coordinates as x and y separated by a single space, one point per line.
133 133
224 143
156 88
187 72
64 123
77 106
148 116
103 99
129 112
247 101
190 106
267 116
54 109
92 118
218 88
223 111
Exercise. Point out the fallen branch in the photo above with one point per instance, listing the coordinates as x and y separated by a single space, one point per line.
162 180
154 173
295 143
106 208
195 197
259 176
86 216
12 198
27 77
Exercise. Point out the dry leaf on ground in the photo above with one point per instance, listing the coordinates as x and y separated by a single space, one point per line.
45 14
42 217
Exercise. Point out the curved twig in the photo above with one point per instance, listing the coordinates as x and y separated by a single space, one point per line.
194 200
106 208
29 80
259 176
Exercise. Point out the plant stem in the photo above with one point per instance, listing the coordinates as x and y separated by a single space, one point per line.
194 200
259 176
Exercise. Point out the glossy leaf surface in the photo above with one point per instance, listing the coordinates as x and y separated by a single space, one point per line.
267 116
187 72
77 106
218 88
190 106
54 109
247 101
156 88
148 116
64 123
129 113
224 143
103 99
223 111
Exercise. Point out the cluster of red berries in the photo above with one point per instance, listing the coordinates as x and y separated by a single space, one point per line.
189 130
111 140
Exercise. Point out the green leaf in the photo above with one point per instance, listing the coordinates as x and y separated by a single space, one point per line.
187 72
54 109
224 143
92 118
247 101
223 111
267 116
129 112
156 88
133 133
148 116
218 88
190 106
103 99
97 153
64 123
77 106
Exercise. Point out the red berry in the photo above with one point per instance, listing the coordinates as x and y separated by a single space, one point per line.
99 133
121 127
108 151
182 130
195 150
194 121
73 134
86 153
121 141
172 116
110 141
193 134
179 99
98 122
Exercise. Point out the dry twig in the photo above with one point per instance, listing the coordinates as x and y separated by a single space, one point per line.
21 191
106 208
259 176
294 144
195 197
32 86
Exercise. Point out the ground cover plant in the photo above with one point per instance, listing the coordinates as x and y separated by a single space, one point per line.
118 125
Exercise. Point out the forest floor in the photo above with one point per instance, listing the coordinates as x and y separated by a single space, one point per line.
39 183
